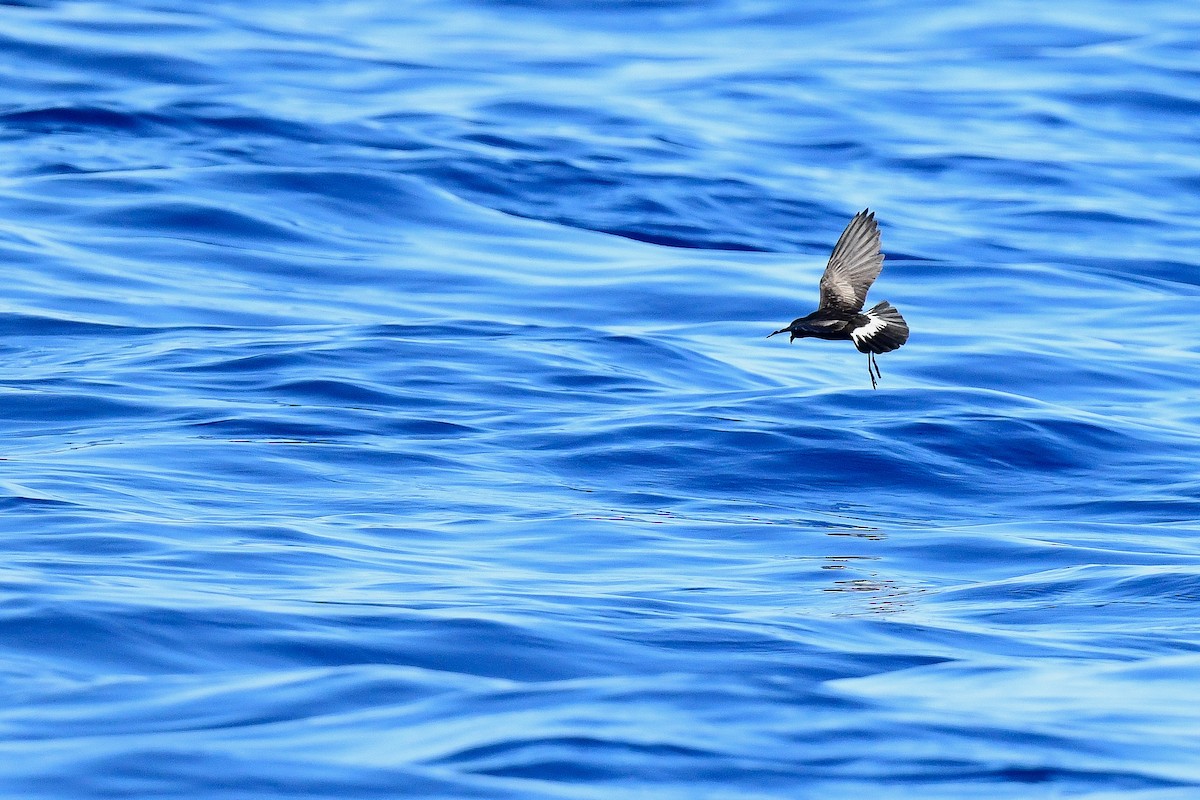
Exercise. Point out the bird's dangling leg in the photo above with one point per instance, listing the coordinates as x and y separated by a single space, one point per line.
875 361
870 360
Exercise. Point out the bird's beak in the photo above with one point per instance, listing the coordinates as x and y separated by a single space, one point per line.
781 330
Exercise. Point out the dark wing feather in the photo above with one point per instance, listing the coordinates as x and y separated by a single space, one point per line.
854 265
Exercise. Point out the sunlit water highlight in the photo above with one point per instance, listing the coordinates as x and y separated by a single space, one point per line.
387 409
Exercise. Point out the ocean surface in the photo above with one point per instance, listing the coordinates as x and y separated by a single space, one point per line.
387 411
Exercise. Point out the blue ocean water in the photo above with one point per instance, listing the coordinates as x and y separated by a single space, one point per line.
387 409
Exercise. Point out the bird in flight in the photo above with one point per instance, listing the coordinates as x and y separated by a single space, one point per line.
853 267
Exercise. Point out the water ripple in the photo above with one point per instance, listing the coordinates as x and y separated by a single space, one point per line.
389 411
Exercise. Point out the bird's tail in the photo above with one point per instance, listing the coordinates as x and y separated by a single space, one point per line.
885 331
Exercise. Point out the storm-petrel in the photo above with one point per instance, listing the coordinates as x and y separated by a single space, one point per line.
853 267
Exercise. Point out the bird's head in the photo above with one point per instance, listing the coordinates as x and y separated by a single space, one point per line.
794 333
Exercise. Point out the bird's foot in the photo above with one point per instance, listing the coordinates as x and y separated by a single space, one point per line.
873 370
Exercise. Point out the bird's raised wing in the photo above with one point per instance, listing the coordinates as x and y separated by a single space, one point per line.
854 265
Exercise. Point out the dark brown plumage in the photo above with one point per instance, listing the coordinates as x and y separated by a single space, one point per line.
854 265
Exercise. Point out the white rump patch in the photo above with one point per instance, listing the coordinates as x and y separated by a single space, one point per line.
864 332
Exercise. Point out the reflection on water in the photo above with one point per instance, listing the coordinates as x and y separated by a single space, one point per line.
387 409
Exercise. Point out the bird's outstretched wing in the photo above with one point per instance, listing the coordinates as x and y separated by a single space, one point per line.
854 265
